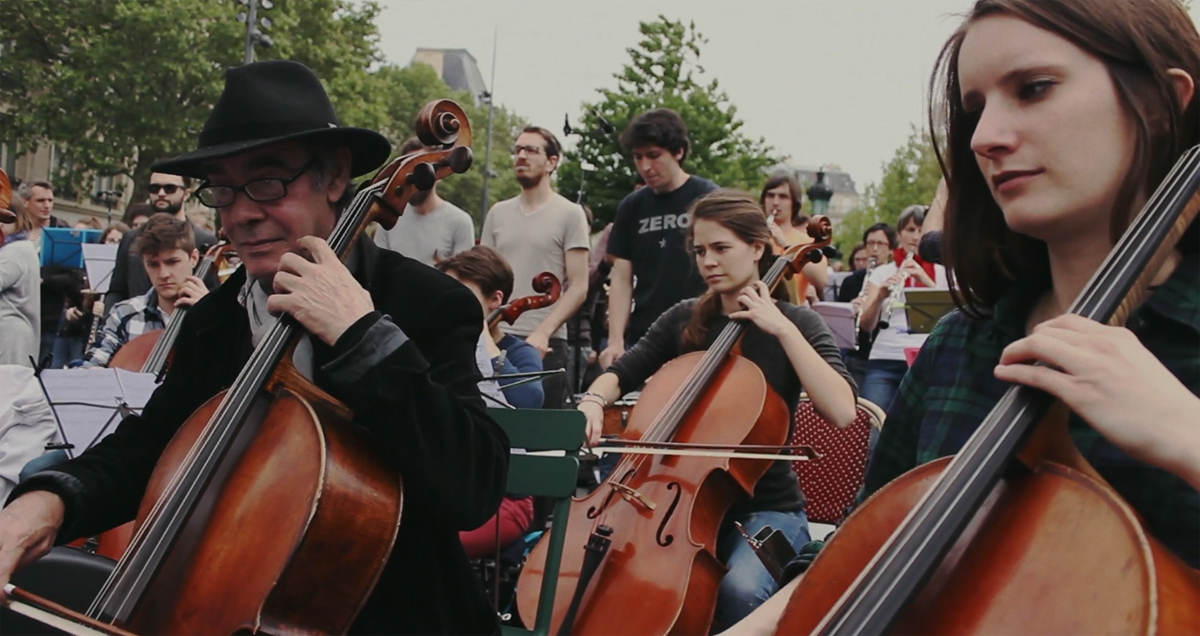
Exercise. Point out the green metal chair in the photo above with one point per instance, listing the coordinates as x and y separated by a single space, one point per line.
553 477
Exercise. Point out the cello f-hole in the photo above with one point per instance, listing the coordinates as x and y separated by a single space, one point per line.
668 539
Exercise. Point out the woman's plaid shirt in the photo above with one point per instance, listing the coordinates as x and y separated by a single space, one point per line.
951 389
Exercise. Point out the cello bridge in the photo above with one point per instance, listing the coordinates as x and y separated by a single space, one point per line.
632 496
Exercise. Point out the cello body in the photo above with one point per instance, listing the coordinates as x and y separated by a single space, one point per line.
1054 550
662 572
133 354
332 503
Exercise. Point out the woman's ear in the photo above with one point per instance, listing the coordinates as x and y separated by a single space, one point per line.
760 248
1185 86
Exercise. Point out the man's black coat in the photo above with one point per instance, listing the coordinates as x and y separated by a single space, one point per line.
421 403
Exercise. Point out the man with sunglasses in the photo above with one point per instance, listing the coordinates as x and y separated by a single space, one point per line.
129 279
390 338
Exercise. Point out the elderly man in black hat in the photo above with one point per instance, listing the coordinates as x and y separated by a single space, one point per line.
390 337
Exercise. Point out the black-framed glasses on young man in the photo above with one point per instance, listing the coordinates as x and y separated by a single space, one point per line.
168 188
261 190
529 150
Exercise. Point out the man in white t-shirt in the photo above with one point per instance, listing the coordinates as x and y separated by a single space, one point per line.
887 364
431 228
539 231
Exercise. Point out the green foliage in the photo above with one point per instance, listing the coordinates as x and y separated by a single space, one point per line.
663 72
911 176
121 84
124 82
389 101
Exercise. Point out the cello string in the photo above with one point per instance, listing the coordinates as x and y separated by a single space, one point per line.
212 432
666 424
996 431
158 355
217 432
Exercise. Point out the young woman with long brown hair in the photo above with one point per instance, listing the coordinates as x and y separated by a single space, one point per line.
1061 117
790 344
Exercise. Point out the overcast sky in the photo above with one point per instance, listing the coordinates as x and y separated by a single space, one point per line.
824 81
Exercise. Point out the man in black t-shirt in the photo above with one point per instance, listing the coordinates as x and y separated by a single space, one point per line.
652 267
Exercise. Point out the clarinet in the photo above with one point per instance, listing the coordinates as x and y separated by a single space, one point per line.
862 294
885 316
95 319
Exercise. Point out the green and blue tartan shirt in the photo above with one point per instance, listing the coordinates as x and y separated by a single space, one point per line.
951 388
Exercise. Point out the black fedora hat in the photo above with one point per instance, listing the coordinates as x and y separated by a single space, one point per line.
270 102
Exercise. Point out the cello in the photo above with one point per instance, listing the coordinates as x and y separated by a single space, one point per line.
988 540
548 290
147 353
6 215
652 526
269 471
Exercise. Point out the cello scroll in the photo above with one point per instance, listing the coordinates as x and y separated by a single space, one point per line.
549 289
820 229
441 124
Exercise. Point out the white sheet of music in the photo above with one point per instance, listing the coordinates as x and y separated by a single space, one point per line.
99 260
86 400
840 318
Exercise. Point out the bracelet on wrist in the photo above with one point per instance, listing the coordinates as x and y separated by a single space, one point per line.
595 397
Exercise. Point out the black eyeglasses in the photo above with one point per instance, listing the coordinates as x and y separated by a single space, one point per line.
261 190
169 188
529 150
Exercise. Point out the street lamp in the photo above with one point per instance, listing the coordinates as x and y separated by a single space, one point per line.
253 22
820 193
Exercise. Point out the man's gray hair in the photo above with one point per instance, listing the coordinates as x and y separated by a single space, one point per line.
324 158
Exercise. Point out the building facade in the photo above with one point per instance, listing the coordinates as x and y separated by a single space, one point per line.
845 192
457 68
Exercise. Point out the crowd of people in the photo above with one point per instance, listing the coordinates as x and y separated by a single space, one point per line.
1059 122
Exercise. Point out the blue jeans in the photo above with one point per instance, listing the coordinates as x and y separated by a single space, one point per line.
46 347
748 584
880 386
66 351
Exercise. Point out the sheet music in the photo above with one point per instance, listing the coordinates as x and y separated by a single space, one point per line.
99 259
840 318
85 400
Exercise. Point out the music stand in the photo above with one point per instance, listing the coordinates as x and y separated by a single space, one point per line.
99 259
86 402
925 307
62 246
840 318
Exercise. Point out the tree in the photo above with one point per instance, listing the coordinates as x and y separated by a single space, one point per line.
401 92
121 84
124 83
911 176
663 72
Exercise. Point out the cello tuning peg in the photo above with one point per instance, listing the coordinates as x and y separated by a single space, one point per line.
459 160
423 176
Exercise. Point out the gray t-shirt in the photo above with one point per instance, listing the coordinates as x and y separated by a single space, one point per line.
532 244
436 235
